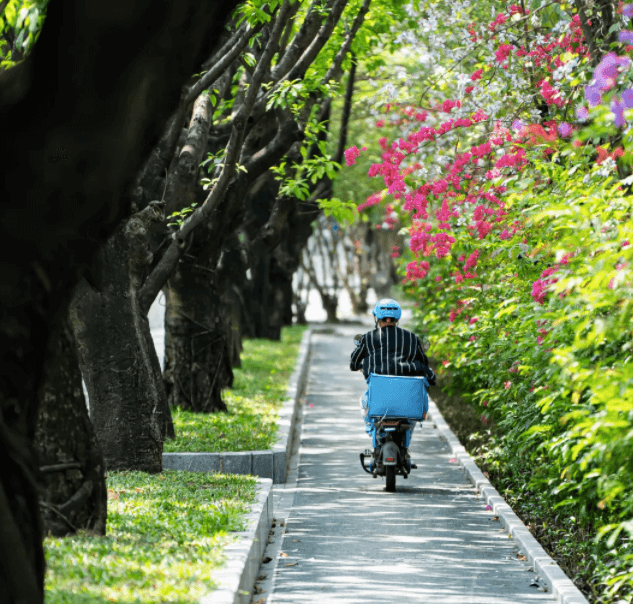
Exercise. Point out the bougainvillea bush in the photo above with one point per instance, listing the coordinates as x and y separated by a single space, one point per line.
511 179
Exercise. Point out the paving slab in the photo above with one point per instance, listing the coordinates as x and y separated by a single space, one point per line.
347 540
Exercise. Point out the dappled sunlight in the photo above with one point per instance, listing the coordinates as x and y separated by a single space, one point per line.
165 537
258 392
348 540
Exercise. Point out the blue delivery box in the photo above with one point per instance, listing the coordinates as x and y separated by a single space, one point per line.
398 396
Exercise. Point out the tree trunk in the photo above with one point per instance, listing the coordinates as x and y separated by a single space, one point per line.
71 464
78 158
330 305
197 337
128 403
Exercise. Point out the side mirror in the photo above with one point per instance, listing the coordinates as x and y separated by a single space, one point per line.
357 338
425 344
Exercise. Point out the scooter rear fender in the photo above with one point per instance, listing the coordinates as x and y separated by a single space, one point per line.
389 454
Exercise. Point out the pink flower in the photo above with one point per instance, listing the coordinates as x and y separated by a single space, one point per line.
538 291
477 75
473 320
503 52
351 154
484 403
507 385
472 338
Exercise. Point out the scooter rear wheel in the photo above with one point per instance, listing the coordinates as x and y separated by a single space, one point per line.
391 478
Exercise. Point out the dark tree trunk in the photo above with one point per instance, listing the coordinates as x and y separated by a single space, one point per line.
78 151
274 255
197 340
72 470
128 403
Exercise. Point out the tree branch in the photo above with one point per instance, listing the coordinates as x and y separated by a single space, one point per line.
308 30
169 261
347 110
299 69
240 40
336 69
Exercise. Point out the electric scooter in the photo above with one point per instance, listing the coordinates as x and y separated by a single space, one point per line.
395 403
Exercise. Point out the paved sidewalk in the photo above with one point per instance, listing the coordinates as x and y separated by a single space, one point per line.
349 541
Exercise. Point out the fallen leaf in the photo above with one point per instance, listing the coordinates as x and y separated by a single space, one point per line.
486 475
291 564
453 460
296 540
311 405
488 508
283 555
495 518
520 557
138 489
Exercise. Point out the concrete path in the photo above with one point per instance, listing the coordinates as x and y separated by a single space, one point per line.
347 540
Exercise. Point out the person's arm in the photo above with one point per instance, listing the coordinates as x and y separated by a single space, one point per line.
421 356
358 354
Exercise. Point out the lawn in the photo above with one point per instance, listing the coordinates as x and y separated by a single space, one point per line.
259 389
166 534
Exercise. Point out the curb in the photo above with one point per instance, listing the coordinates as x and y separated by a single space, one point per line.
557 581
238 576
271 463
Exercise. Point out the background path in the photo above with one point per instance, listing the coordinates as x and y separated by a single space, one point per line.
346 540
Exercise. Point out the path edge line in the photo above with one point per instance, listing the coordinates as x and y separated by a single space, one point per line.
271 463
544 565
239 573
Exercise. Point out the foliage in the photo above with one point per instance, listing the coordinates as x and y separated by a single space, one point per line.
20 26
259 389
165 536
509 176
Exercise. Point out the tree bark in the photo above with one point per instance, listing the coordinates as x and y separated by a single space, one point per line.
78 151
72 470
197 339
128 403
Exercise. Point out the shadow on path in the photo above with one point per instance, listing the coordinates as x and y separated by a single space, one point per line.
349 541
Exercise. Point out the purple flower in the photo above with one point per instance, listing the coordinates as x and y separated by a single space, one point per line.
607 70
618 110
593 95
564 130
626 37
627 98
517 125
582 113
627 11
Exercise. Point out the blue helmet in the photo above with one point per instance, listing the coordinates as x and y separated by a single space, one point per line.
387 308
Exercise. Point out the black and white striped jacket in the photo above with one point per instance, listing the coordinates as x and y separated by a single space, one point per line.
391 351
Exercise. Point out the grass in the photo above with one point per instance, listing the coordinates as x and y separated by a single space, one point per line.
165 536
259 389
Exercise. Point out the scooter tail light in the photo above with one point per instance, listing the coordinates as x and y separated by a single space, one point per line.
389 458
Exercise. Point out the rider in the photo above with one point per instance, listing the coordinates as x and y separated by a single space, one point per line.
389 350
